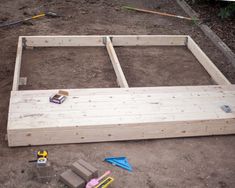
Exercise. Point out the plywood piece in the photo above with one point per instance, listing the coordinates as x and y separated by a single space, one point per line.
107 115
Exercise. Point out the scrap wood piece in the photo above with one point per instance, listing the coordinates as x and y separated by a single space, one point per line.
159 13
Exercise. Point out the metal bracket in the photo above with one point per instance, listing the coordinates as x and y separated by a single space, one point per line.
226 108
186 41
24 42
23 81
105 39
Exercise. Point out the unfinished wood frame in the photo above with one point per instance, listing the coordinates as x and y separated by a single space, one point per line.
119 113
117 40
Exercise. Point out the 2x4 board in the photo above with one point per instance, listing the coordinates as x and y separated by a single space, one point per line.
111 114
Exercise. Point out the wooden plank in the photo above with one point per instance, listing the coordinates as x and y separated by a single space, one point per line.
60 41
134 110
212 70
116 65
98 40
159 97
131 107
66 119
132 90
149 40
116 132
42 102
16 78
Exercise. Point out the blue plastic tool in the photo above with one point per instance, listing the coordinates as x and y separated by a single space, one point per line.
119 161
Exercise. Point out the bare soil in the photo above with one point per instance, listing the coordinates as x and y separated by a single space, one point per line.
161 66
90 67
224 28
182 162
51 68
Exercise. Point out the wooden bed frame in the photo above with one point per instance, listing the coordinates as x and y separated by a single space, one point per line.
110 114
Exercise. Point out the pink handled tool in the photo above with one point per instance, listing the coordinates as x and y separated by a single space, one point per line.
92 183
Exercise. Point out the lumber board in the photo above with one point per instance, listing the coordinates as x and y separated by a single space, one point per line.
116 65
16 77
212 70
110 114
98 40
119 132
149 40
134 90
63 41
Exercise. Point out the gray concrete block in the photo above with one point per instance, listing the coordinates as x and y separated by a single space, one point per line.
89 167
72 180
81 171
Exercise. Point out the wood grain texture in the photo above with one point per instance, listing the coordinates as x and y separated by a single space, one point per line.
98 40
94 115
116 65
212 70
16 77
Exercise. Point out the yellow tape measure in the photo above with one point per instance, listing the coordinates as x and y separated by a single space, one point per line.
42 153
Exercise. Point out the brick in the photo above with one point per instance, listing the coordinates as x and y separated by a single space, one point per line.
72 180
89 167
81 171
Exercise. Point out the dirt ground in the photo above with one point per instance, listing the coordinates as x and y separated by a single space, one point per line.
182 162
208 12
90 67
